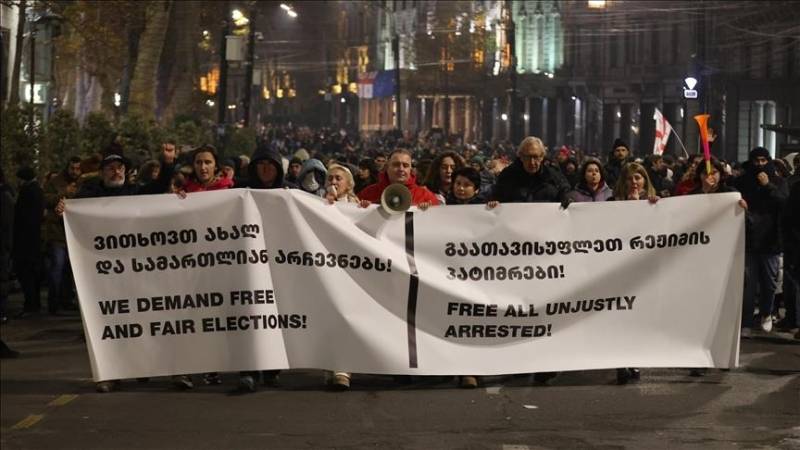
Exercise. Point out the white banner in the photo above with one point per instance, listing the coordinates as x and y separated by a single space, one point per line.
245 280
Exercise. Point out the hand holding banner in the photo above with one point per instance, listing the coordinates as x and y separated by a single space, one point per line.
281 279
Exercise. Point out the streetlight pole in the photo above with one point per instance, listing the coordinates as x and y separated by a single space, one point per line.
32 73
396 52
447 87
513 112
248 89
222 89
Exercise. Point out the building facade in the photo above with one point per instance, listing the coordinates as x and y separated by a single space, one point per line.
585 73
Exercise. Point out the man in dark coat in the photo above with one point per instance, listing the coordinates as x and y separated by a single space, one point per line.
765 193
59 272
620 156
528 180
28 215
111 183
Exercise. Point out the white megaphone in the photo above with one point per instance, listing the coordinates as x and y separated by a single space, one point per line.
396 199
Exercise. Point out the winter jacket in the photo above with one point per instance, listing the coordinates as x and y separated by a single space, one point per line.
419 194
95 188
220 183
517 185
764 208
54 191
582 193
478 199
316 167
28 215
613 169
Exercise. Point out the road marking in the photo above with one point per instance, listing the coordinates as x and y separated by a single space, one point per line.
28 422
63 400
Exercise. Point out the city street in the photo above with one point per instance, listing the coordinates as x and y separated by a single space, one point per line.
48 401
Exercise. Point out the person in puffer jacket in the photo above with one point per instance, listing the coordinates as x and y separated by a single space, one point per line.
591 185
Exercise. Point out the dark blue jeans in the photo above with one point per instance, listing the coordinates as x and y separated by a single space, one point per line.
760 284
59 277
791 295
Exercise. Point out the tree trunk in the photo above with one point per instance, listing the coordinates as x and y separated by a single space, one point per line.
145 75
13 96
182 76
134 34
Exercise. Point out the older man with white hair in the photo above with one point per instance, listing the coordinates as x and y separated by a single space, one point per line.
528 180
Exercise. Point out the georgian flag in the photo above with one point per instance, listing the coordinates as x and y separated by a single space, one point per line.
663 129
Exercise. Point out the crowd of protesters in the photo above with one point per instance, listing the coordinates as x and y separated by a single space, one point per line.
340 168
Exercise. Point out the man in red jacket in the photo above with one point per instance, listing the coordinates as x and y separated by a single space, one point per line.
398 170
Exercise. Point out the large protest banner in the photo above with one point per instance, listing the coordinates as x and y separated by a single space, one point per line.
244 280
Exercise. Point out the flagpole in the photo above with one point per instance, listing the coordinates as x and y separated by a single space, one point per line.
682 146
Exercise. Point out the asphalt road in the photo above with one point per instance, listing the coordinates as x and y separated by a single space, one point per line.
48 401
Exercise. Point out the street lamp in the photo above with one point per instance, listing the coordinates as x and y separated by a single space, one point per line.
289 10
239 18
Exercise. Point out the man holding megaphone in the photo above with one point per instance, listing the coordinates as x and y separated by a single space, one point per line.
398 170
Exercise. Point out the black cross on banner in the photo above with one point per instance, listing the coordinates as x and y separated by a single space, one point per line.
413 288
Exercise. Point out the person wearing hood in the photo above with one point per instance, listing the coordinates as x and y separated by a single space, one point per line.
398 170
265 170
312 177
620 155
591 186
765 193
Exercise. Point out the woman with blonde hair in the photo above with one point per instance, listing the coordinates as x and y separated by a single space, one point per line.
339 186
634 184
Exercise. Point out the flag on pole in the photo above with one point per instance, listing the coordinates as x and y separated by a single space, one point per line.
663 130
366 81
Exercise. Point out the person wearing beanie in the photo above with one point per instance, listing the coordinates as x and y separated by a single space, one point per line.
111 183
228 169
620 155
293 174
25 253
765 193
